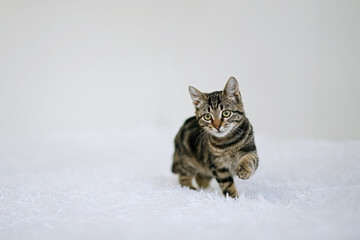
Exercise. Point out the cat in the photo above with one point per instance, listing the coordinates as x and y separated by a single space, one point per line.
217 142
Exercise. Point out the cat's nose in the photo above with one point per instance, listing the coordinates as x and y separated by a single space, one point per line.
217 124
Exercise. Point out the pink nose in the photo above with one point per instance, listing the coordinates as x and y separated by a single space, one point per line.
217 126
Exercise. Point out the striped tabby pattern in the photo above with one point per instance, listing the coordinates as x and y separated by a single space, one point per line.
218 142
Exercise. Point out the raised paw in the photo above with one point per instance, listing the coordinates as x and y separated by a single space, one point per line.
244 170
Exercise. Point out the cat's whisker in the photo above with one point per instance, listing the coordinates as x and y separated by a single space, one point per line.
237 130
205 135
200 135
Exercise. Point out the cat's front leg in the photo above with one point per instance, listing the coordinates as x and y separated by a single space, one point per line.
226 182
247 166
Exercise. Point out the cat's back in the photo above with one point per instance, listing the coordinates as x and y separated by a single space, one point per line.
188 135
188 146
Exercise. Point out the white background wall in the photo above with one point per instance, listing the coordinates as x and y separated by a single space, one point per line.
78 65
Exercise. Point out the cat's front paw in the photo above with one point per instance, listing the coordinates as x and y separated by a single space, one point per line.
244 170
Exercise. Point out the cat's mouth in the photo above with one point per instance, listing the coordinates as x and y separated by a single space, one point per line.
220 132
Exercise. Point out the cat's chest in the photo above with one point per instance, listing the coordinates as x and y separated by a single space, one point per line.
228 160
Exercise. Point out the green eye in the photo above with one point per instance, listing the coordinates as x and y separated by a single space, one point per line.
207 116
226 113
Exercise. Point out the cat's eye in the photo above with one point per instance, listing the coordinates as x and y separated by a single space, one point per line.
226 113
207 116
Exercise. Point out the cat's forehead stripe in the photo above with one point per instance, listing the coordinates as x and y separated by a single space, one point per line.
214 99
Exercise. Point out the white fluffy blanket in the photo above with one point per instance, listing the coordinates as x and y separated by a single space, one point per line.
118 185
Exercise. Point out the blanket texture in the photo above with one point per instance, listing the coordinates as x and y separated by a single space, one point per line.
118 185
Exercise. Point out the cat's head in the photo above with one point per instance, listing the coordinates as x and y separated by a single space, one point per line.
219 112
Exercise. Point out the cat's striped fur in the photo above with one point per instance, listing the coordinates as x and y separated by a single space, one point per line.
220 147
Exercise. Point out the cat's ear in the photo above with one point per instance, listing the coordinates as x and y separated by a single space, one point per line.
196 96
232 89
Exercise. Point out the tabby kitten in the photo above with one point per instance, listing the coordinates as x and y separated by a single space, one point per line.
217 142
